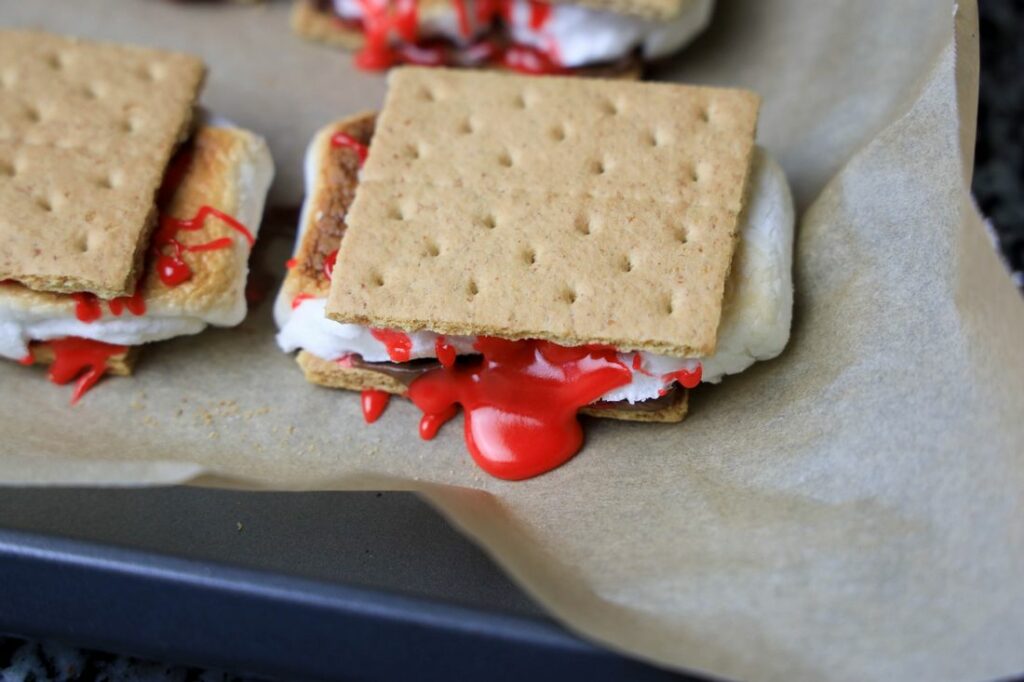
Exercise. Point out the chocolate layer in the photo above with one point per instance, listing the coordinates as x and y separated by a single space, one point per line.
339 173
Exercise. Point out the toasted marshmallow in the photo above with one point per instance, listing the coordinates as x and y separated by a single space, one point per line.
236 169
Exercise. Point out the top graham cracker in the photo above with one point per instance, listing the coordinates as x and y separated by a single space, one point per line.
86 132
574 210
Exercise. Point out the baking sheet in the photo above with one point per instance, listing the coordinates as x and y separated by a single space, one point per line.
849 511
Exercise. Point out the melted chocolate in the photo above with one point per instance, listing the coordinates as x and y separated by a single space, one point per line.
404 372
340 174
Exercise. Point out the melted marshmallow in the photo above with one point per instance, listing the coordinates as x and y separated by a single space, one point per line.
575 35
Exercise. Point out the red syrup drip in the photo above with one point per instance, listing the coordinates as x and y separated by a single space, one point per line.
329 262
397 343
348 142
685 377
374 403
540 13
521 400
445 352
299 298
291 263
82 358
638 366
379 21
462 14
171 268
135 304
430 424
87 307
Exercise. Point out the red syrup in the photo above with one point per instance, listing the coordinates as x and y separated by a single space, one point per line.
398 344
445 352
82 358
374 403
521 401
346 141
170 266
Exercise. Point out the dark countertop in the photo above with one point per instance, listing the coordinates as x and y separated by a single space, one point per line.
998 187
999 163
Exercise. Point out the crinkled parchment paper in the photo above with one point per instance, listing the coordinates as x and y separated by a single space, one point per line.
850 511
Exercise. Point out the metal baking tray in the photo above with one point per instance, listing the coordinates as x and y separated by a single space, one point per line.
326 586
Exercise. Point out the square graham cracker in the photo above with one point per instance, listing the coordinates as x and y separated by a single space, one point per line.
574 210
86 132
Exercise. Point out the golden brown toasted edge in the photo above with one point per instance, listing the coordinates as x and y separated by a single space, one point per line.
331 193
103 120
218 157
312 23
121 364
333 375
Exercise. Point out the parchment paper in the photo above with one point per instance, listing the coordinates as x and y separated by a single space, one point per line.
850 511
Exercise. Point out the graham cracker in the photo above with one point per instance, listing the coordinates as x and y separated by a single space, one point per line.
655 10
86 131
333 375
332 188
226 165
311 21
574 210
120 365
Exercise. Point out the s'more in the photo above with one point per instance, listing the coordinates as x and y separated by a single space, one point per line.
125 216
602 38
532 249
